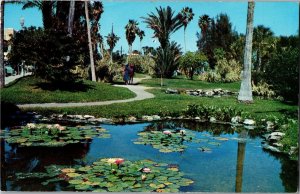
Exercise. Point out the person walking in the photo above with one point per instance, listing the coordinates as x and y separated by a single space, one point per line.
131 74
126 74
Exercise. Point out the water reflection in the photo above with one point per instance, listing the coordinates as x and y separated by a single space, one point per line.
240 161
212 172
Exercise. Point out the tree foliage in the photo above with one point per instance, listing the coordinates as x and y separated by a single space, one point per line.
52 53
192 61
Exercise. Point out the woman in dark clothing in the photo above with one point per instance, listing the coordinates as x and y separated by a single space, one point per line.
126 72
131 74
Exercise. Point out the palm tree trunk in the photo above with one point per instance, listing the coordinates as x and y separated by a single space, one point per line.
245 93
90 41
71 17
184 40
2 74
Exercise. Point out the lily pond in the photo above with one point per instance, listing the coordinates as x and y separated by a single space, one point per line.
168 156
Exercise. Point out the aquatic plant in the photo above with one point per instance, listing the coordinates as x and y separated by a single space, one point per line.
103 176
51 135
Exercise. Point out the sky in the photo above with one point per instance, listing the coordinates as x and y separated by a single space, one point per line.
281 17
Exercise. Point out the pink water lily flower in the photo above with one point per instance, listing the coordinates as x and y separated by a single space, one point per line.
49 126
119 161
61 128
146 170
167 132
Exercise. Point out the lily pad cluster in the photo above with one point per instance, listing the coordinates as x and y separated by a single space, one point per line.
176 140
52 135
166 141
118 175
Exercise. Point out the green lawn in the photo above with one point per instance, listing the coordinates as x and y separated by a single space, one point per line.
190 84
34 90
166 104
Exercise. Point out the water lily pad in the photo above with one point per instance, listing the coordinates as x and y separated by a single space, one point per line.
76 182
51 135
214 143
73 174
221 138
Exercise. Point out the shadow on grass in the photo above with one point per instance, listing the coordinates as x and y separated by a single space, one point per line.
78 86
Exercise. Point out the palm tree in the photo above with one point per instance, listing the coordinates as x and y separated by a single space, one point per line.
141 35
2 74
262 43
90 41
245 93
186 15
204 23
112 40
71 17
164 23
45 6
131 31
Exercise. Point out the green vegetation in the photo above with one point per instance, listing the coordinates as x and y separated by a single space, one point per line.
166 104
191 84
51 135
35 90
116 175
166 141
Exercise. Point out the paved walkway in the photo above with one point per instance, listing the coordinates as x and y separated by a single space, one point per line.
14 77
140 92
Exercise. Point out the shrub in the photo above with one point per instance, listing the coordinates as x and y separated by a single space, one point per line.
106 70
229 70
262 89
282 73
143 64
205 112
290 139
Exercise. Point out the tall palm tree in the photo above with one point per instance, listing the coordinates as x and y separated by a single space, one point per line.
245 93
131 31
112 40
71 17
262 43
90 41
141 35
2 74
187 16
45 6
204 23
164 23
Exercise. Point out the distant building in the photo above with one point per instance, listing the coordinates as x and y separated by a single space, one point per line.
8 34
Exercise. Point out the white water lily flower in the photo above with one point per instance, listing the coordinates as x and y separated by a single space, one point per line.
111 160
49 126
30 125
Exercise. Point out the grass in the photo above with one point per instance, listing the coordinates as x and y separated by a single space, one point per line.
190 84
166 104
33 90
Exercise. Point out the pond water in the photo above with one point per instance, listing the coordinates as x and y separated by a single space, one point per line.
235 162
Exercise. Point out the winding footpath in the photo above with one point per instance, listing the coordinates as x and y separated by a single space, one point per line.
140 91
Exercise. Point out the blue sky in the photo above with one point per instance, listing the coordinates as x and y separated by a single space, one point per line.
281 17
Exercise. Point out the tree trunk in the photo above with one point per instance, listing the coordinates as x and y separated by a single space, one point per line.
90 41
184 40
130 49
2 74
245 93
71 17
47 14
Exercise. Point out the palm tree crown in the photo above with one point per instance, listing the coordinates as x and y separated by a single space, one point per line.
131 31
204 22
164 23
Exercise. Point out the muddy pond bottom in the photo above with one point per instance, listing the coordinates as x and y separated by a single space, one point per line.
217 158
